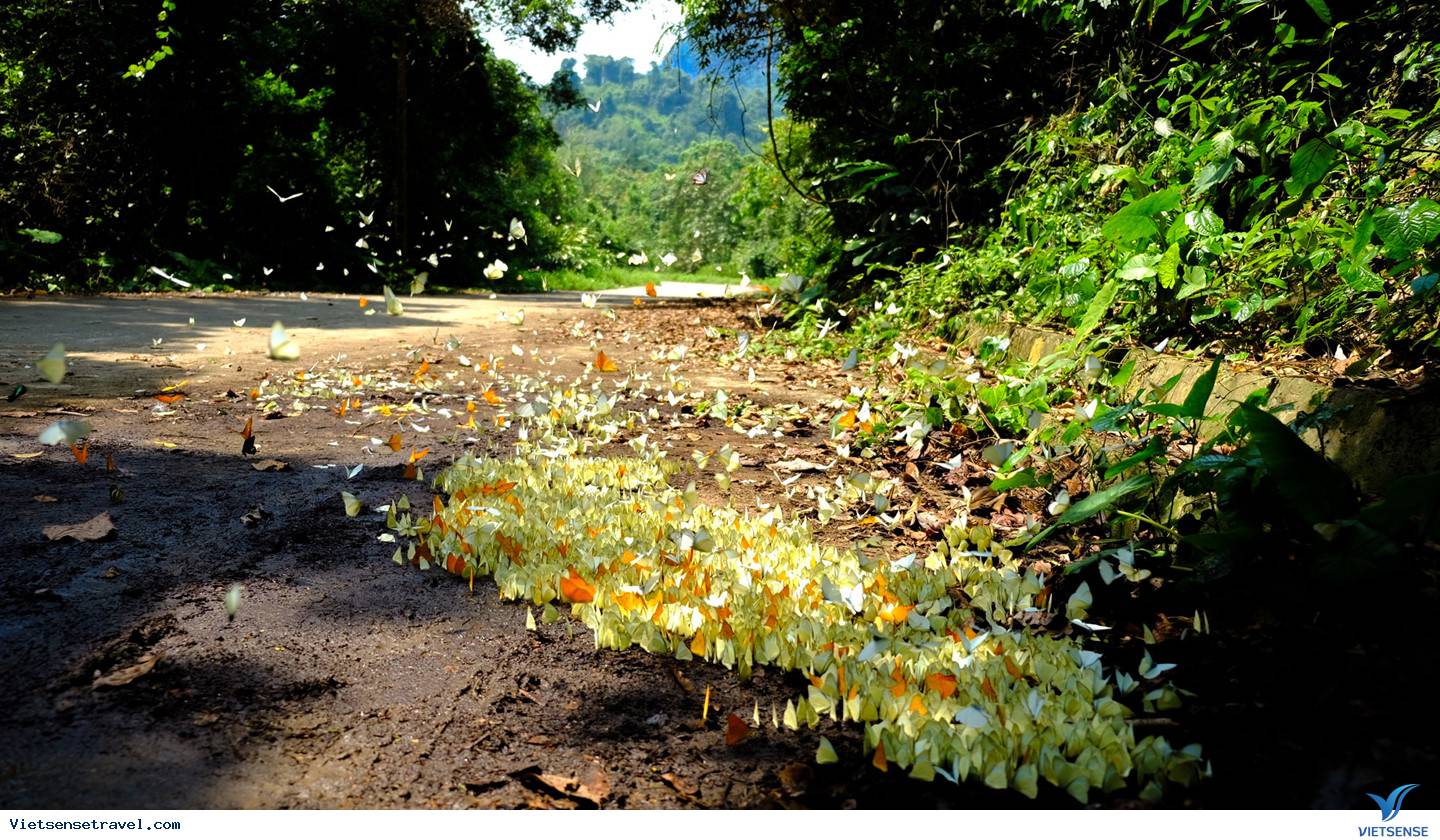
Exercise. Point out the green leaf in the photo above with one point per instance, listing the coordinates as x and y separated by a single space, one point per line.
1199 396
1153 448
1309 164
1024 478
1126 229
44 237
1214 174
1310 485
1099 305
1135 221
1321 11
1405 230
1205 222
1169 267
1099 502
1360 278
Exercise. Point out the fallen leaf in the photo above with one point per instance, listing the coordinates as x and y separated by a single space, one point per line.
681 786
91 530
125 676
795 778
44 497
270 465
592 786
25 456
110 573
255 516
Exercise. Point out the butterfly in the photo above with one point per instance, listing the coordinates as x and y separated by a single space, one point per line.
392 303
575 171
700 178
248 447
176 280
282 347
17 393
595 106
283 198
52 367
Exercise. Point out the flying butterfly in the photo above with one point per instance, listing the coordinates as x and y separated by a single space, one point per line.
700 178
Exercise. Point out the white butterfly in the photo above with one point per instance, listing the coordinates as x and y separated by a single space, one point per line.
392 303
365 220
177 281
283 198
517 230
67 431
595 106
239 323
52 366
268 271
282 347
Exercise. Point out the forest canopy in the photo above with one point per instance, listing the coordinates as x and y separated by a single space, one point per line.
165 133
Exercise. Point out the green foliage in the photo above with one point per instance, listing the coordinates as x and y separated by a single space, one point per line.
1224 169
356 108
631 156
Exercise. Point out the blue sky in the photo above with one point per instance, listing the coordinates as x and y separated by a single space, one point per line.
635 34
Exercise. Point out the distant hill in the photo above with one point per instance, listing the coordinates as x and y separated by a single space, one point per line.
646 119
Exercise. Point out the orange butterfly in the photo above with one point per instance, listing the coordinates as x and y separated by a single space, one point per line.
395 442
736 730
81 455
170 398
364 301
248 447
573 588
650 290
604 363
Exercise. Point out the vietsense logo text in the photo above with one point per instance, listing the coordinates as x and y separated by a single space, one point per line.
1389 808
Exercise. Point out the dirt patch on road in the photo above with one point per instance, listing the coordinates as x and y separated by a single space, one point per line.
343 680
